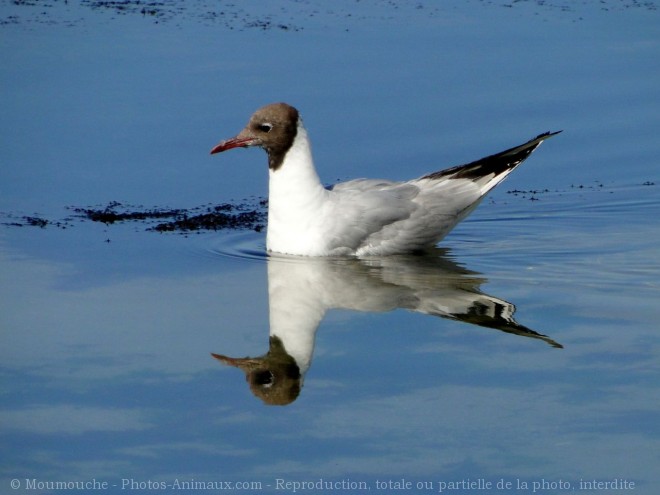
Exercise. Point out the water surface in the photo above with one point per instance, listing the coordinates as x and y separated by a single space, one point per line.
523 350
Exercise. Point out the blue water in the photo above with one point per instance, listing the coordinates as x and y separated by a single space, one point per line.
108 330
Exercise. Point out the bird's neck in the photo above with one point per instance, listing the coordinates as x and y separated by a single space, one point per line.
295 197
296 176
296 307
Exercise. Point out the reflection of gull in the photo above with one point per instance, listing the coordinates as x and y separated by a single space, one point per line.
301 290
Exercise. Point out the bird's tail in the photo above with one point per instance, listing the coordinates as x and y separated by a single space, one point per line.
491 170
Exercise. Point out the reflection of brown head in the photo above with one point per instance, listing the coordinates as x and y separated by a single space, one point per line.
274 377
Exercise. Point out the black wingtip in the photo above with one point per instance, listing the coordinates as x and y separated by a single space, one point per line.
496 164
548 134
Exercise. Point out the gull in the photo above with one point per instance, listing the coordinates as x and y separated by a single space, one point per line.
362 217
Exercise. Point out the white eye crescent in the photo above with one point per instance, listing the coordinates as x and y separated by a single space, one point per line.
265 127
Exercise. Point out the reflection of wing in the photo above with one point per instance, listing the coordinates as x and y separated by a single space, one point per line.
494 313
435 285
301 290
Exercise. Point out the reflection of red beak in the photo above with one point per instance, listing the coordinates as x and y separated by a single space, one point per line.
235 142
246 364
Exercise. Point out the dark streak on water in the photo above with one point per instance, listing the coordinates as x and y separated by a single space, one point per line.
234 216
234 16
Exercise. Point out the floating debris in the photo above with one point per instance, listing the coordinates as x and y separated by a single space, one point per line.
110 215
36 221
215 220
240 216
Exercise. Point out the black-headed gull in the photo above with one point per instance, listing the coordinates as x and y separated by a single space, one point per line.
365 216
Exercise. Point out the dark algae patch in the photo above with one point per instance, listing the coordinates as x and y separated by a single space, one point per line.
289 17
209 217
219 218
36 221
116 212
235 216
27 221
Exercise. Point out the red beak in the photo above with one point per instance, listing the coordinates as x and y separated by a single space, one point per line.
235 142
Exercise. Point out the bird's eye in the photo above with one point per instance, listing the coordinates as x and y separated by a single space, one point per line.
265 378
265 127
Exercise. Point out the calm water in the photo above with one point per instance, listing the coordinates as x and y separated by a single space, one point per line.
521 356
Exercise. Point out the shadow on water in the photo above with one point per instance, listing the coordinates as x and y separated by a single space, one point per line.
302 290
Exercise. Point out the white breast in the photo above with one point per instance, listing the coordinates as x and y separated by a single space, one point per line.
297 203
